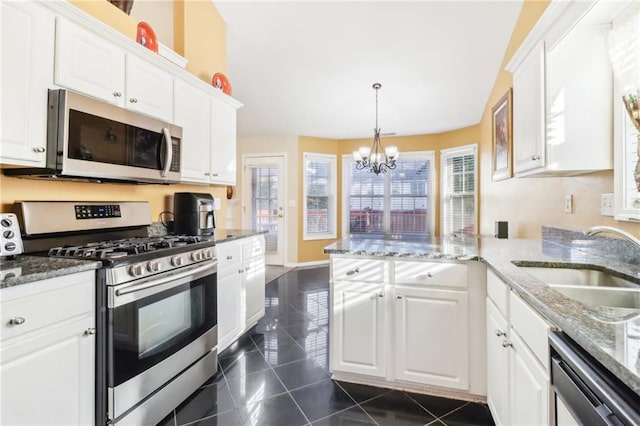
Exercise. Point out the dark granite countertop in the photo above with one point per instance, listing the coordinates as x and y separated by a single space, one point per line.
611 335
26 269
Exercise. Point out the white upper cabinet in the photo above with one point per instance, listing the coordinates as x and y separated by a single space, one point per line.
27 45
562 92
149 89
529 151
192 112
88 63
223 140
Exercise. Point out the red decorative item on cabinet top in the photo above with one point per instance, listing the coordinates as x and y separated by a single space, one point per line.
147 37
221 82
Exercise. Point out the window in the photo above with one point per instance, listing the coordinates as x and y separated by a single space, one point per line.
396 204
626 152
458 196
319 186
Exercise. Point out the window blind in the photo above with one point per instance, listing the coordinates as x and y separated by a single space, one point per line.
458 194
319 182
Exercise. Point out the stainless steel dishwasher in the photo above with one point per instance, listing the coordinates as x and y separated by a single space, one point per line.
586 389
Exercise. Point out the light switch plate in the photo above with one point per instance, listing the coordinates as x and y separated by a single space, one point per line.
606 204
568 203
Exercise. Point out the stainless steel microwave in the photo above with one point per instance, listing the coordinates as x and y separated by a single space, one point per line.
90 140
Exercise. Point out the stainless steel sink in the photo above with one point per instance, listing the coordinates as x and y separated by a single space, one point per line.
579 277
589 286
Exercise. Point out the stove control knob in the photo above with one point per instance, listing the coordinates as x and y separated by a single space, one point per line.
177 261
153 266
6 223
196 256
207 254
136 270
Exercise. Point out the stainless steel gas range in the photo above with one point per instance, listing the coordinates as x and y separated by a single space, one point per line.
156 316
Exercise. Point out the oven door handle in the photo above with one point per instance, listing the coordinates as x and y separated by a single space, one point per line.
168 152
198 272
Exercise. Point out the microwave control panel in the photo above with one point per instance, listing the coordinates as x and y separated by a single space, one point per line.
97 212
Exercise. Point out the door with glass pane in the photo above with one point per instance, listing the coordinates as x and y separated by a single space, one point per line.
263 203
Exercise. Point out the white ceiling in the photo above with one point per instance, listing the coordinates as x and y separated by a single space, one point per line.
306 68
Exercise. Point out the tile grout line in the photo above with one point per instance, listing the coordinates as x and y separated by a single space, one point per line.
358 403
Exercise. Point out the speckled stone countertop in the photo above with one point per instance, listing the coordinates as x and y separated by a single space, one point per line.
26 269
611 335
223 235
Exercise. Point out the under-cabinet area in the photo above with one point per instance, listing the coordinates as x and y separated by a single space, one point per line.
408 324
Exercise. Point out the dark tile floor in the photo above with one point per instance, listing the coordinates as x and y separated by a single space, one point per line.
278 374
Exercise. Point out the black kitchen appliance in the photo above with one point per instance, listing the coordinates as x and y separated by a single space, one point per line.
156 302
193 213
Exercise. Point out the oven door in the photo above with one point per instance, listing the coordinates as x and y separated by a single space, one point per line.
156 328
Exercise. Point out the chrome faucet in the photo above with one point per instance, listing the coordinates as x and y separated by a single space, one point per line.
594 230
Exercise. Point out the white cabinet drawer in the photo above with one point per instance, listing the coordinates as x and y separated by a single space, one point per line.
29 307
530 326
228 254
498 291
430 273
358 269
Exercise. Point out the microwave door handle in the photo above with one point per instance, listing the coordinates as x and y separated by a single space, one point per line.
168 153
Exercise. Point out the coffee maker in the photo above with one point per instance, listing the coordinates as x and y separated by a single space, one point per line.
193 213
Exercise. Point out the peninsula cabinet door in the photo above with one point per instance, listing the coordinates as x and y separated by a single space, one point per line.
358 341
497 365
432 337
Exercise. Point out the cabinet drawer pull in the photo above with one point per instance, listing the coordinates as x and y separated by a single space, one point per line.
501 333
535 157
16 320
133 100
117 94
353 271
423 276
229 257
38 149
240 271
381 294
506 344
214 174
398 297
90 331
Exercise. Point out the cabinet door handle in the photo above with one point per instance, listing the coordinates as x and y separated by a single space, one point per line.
16 320
90 331
423 276
501 333
381 294
506 344
229 257
535 157
117 94
214 174
398 297
353 271
133 100
240 271
38 149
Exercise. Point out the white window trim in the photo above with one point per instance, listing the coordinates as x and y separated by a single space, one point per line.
620 171
452 152
333 187
347 163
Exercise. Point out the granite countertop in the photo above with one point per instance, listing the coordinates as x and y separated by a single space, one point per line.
25 269
223 235
611 335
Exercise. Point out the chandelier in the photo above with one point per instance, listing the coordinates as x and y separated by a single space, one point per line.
377 158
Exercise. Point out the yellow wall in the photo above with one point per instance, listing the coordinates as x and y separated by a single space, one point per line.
204 36
529 203
311 250
200 35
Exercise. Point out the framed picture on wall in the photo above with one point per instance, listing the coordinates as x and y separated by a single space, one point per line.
502 135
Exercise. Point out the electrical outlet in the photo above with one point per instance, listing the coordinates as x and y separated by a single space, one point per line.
606 204
568 203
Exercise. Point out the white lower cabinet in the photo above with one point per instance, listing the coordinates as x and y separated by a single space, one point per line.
358 341
432 336
241 287
518 380
405 324
47 352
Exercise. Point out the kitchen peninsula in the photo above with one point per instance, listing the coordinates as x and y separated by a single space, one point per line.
424 296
